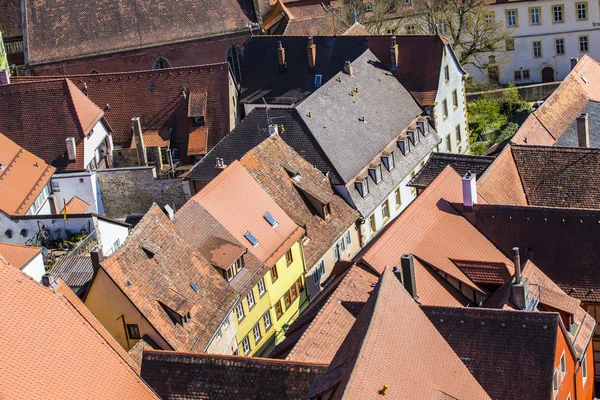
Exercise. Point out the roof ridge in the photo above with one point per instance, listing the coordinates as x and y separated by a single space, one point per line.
43 175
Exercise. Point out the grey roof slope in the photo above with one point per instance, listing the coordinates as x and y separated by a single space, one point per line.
253 130
75 271
462 163
332 114
510 353
569 137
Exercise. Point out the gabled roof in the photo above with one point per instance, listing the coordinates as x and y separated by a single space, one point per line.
510 353
291 181
23 176
11 22
238 203
179 376
252 130
18 255
423 230
75 206
305 19
356 30
462 163
577 92
156 265
371 107
560 241
418 71
501 183
60 31
394 348
52 110
157 98
70 352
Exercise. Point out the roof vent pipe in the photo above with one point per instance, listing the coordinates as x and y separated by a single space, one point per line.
349 69
273 129
583 131
517 264
469 187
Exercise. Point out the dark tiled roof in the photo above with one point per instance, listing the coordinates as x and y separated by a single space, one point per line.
179 376
559 177
510 353
156 265
569 137
76 271
11 22
62 30
54 110
270 163
419 63
137 351
389 328
253 130
561 242
462 163
157 97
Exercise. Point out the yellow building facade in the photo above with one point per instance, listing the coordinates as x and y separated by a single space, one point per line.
275 302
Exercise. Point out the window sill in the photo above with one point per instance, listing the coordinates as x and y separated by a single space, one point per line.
260 295
240 320
250 308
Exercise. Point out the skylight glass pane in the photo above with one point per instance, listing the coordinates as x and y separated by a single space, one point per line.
250 237
195 287
270 219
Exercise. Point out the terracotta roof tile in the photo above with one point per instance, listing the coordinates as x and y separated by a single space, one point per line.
18 255
392 327
137 351
54 318
157 97
76 206
501 183
23 176
356 30
155 137
62 31
238 202
197 143
11 21
156 265
484 273
274 164
56 109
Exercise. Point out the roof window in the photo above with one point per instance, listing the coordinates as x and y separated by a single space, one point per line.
250 237
270 219
195 287
413 135
375 173
388 160
362 186
318 80
404 145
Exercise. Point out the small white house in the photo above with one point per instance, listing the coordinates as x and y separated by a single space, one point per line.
28 259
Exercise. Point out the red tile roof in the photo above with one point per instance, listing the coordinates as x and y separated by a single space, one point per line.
392 327
58 345
501 183
156 265
197 143
18 255
11 21
238 202
76 206
423 230
156 96
22 177
59 30
54 110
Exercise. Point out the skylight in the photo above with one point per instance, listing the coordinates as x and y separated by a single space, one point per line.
250 237
195 287
270 219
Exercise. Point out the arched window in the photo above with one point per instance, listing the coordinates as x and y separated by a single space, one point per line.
161 63
94 71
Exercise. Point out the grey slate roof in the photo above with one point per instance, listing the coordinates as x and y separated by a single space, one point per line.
76 271
569 137
332 115
462 163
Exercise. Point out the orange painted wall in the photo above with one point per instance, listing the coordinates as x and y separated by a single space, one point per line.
566 384
585 390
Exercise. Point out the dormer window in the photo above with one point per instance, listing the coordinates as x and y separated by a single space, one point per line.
388 160
413 136
423 126
375 173
404 145
362 186
232 271
326 211
198 121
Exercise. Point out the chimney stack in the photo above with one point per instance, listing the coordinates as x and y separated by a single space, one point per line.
311 51
47 279
519 291
281 57
219 165
517 265
574 61
97 256
469 187
139 141
169 211
71 148
583 131
348 68
408 274
394 53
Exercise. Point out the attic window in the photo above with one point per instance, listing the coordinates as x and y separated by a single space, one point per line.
388 160
403 145
362 186
148 252
413 136
318 80
375 173
232 271
250 237
423 126
270 219
161 63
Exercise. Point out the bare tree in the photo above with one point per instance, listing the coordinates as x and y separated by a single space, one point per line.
376 15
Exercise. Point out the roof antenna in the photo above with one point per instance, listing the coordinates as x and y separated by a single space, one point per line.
267 111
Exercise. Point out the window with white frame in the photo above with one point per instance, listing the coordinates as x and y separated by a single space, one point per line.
445 108
250 298
534 13
511 18
261 286
218 335
581 11
583 44
537 49
336 252
8 48
411 29
555 383
442 27
385 210
362 186
398 197
348 238
317 273
18 46
489 19
375 173
563 365
342 245
267 320
257 333
560 47
521 74
246 345
557 12
239 311
388 160
39 201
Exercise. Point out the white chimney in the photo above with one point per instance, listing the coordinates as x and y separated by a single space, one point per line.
273 129
469 188
71 148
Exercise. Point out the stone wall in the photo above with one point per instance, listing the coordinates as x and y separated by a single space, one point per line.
528 93
125 158
131 191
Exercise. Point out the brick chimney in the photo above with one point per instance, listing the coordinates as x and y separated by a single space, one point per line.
394 53
583 131
139 141
97 256
281 58
311 51
408 275
469 188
